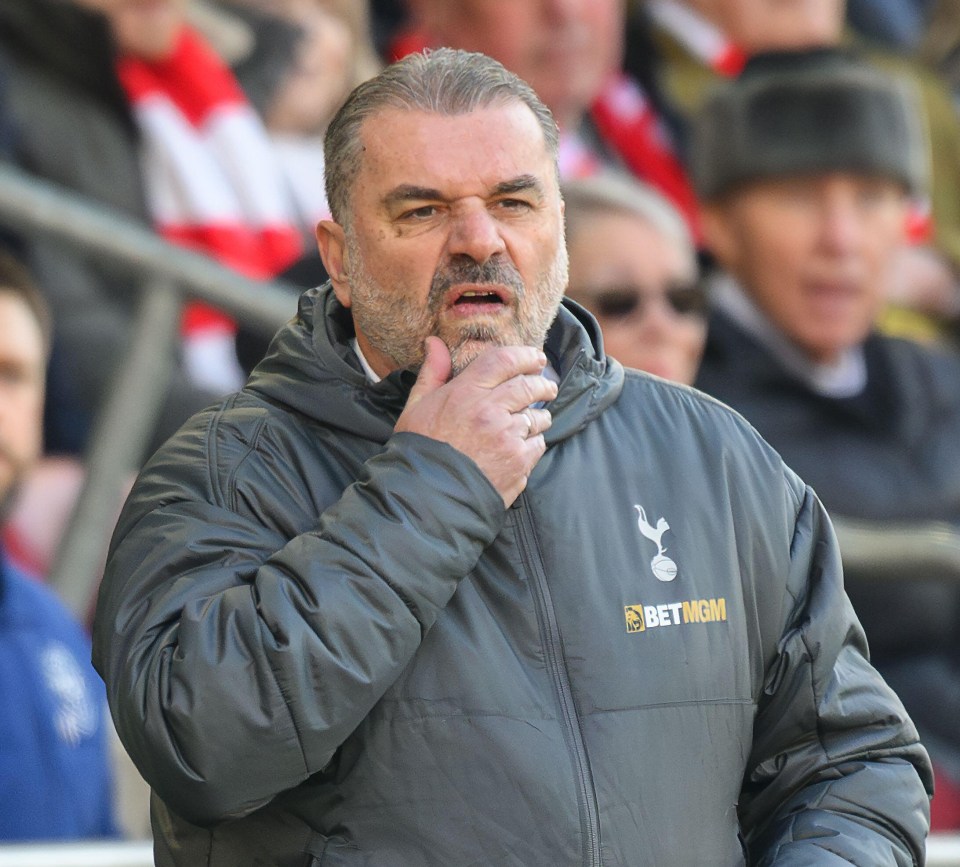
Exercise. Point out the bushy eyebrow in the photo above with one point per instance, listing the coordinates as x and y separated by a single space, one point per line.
521 184
410 193
413 193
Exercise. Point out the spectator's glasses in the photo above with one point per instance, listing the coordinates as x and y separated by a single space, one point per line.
620 302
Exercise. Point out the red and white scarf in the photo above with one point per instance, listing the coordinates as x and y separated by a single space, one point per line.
630 126
212 179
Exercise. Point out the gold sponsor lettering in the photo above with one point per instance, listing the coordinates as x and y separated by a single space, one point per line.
640 619
718 609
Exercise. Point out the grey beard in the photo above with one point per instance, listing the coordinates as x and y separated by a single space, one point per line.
395 329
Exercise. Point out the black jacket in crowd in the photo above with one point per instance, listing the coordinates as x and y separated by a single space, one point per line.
887 457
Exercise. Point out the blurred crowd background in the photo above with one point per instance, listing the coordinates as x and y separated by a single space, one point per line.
814 287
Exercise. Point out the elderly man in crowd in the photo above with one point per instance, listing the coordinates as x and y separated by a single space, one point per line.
699 43
444 585
805 163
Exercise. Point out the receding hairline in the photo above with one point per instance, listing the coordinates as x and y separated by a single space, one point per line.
501 102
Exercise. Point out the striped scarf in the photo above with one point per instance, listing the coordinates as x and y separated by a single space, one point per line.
212 179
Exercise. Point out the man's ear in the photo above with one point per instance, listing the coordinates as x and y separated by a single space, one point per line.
332 243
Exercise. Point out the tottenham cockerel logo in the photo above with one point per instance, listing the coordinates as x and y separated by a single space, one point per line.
663 568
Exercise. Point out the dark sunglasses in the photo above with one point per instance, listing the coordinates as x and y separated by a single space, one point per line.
685 299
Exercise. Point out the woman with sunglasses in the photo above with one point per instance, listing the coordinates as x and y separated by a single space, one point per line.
633 266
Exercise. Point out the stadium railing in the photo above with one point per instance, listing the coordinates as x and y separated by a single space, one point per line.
168 276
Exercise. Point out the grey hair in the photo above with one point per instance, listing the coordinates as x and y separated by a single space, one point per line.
616 191
443 81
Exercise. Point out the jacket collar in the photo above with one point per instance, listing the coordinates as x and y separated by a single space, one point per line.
312 369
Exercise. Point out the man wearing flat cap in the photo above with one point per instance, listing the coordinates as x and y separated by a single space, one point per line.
806 164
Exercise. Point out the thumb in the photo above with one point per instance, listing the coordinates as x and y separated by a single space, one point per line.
434 372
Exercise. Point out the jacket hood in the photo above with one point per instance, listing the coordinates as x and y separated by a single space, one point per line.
312 369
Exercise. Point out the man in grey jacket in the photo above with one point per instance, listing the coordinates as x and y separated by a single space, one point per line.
444 585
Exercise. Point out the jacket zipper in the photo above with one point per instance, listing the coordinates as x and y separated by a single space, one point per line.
550 633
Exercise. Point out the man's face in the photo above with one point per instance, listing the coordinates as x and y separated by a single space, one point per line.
769 25
22 365
638 284
564 49
813 252
456 230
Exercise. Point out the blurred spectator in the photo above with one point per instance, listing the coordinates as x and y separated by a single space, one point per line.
74 128
633 265
54 759
572 53
212 180
146 119
297 84
306 57
805 163
700 42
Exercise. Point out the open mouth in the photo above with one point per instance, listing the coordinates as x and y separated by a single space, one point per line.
487 299
478 297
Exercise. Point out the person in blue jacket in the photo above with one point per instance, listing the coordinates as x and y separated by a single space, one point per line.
55 779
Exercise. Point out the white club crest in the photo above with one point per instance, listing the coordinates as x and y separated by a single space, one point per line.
663 568
75 713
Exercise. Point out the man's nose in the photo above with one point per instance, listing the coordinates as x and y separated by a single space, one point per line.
841 226
475 233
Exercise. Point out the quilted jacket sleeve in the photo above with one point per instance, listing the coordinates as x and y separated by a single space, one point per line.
237 660
837 775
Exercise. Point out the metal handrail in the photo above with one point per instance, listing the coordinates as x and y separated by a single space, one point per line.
123 426
31 203
882 549
170 275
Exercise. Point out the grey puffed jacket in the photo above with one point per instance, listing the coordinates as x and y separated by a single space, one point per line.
329 644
